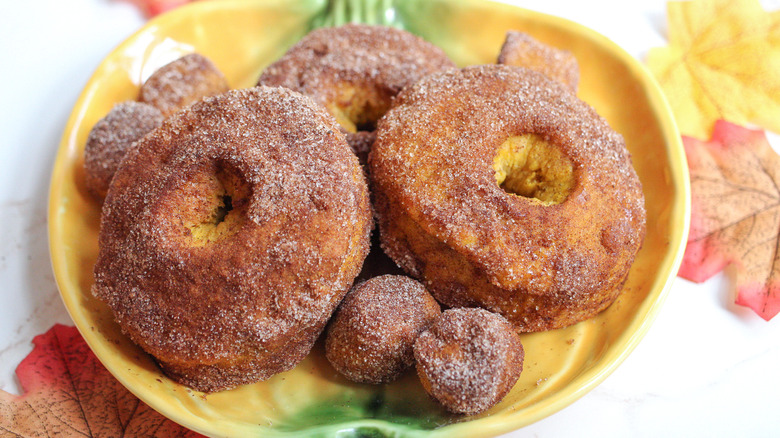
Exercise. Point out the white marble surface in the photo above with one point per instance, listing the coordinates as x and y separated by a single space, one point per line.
705 368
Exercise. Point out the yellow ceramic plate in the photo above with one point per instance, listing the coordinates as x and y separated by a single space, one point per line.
242 37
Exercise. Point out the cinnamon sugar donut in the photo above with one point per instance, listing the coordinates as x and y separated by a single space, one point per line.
181 83
371 335
355 70
230 234
521 50
111 137
469 359
500 189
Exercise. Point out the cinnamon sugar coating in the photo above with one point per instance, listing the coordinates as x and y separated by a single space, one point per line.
522 50
110 139
371 335
469 359
231 233
181 83
444 218
355 70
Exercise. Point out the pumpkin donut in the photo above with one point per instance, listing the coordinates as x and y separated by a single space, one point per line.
370 337
500 189
230 234
469 359
522 50
111 137
181 83
354 71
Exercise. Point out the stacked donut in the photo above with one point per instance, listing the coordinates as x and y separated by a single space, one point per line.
231 231
235 222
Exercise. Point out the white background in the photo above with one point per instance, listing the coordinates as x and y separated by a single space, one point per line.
705 368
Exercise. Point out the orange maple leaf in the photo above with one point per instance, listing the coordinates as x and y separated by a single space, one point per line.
735 214
722 62
69 393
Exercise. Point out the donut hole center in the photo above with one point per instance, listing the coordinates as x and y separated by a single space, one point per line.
225 206
529 166
222 209
358 109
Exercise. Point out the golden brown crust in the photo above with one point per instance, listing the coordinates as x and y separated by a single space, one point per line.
469 359
181 83
371 335
230 234
355 70
444 218
111 137
521 50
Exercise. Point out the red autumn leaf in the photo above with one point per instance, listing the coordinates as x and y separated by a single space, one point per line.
150 8
69 393
735 214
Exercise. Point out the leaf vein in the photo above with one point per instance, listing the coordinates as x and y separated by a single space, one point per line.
736 187
71 378
736 222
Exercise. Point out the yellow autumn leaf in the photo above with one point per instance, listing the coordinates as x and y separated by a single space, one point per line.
722 62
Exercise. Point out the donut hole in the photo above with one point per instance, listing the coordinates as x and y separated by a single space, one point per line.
358 108
529 166
222 208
